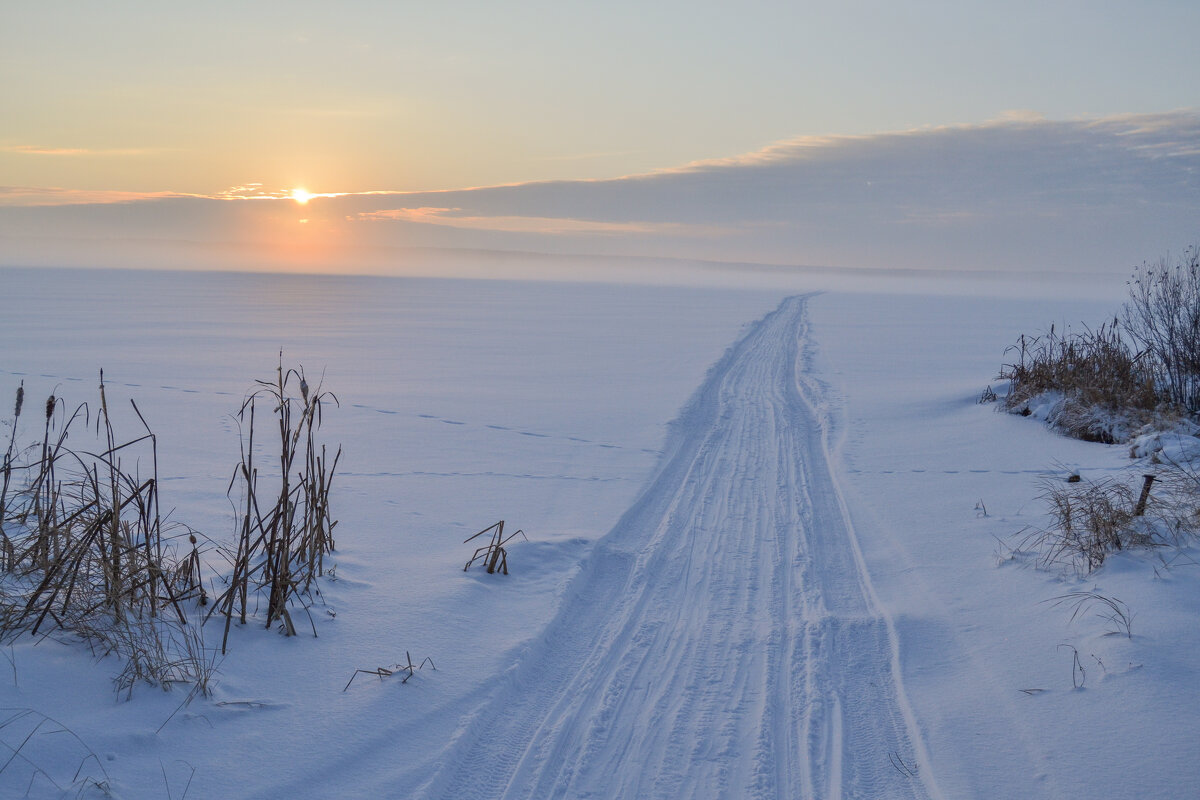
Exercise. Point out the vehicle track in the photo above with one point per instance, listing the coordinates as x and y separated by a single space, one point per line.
723 640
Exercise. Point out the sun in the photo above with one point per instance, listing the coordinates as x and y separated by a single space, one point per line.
302 196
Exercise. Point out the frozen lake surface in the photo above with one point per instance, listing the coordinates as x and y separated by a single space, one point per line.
756 564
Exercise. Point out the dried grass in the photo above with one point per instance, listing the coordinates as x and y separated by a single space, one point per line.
1108 608
281 546
84 548
1089 521
1105 390
85 551
1142 368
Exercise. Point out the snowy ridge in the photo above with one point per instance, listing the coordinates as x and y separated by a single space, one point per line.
723 640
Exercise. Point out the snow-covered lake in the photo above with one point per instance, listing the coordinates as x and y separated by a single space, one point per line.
762 556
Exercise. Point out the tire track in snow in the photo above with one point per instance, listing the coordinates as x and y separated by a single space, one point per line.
723 641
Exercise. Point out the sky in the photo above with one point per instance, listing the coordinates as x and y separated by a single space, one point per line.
966 135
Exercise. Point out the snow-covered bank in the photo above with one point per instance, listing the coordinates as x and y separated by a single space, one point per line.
938 485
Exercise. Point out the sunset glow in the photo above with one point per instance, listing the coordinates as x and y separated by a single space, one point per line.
717 301
206 129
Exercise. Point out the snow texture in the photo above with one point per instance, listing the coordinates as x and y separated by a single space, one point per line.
723 639
805 585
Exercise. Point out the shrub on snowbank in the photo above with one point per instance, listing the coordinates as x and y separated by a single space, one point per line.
1090 385
1163 319
1139 372
1135 379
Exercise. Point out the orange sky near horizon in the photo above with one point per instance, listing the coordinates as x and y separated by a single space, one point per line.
122 97
311 136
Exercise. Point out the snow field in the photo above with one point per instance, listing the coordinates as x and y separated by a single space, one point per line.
792 590
721 640
462 402
938 486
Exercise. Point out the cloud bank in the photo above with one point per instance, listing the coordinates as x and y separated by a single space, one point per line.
1020 193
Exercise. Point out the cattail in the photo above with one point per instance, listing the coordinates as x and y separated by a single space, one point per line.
103 399
20 399
50 403
304 389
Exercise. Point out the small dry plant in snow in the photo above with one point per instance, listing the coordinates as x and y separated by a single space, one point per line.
40 755
1110 609
1089 520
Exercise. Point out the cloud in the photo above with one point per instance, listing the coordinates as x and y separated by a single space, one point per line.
40 150
550 226
252 191
1021 191
58 196
1023 130
32 196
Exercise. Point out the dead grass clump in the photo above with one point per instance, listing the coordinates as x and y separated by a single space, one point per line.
85 550
1110 609
285 529
1104 391
1090 520
1142 368
157 652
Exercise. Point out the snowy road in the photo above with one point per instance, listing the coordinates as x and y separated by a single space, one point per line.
723 640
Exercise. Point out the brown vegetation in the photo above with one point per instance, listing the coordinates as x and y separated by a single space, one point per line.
84 549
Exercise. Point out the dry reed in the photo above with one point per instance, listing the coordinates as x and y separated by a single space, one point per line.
285 529
1106 391
84 549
